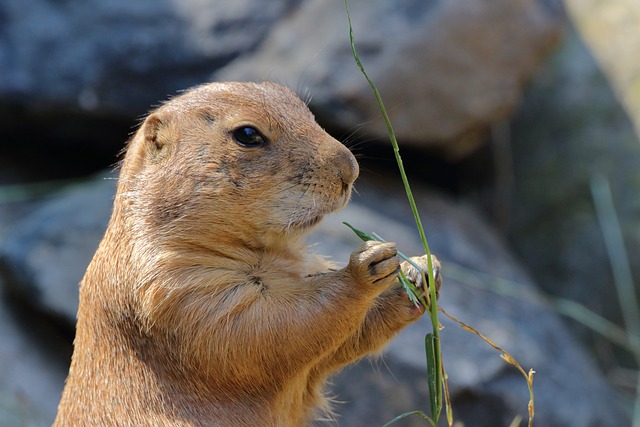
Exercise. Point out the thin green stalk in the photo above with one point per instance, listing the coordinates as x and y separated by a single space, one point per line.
433 307
433 360
614 243
415 296
622 277
405 180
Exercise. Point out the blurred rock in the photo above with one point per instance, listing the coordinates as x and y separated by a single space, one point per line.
32 371
446 70
76 74
121 55
611 30
44 256
485 391
570 128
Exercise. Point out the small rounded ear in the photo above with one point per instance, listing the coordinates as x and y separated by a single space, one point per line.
154 131
151 142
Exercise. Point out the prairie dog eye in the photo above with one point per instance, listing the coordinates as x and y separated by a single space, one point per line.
248 136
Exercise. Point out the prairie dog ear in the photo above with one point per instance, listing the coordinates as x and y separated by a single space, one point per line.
151 143
158 132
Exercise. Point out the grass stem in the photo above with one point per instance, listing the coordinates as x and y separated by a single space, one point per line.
622 277
432 308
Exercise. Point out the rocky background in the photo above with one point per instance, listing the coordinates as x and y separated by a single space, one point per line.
504 117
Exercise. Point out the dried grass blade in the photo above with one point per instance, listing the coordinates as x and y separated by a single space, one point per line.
506 357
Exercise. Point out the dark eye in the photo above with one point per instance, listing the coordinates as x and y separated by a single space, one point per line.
248 136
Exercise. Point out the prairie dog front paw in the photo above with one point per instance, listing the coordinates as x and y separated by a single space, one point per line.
415 276
375 263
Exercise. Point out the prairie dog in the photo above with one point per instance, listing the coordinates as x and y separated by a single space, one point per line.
203 305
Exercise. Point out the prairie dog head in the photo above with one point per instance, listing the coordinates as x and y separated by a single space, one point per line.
244 159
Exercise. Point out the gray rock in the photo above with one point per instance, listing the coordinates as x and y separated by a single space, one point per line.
570 128
602 25
33 366
445 69
121 55
485 391
44 256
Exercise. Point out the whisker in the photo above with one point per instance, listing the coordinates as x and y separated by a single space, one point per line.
351 133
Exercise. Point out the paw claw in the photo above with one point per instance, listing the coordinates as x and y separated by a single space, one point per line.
415 275
375 262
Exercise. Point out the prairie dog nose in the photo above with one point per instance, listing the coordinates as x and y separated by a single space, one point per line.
347 165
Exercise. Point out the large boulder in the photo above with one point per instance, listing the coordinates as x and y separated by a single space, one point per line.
485 391
446 70
76 74
120 55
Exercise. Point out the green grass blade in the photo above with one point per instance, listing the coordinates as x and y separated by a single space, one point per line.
619 259
433 365
361 234
414 295
433 306
622 276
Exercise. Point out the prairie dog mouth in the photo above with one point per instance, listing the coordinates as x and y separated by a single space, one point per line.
304 223
309 216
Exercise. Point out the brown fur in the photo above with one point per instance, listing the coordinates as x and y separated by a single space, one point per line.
203 305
